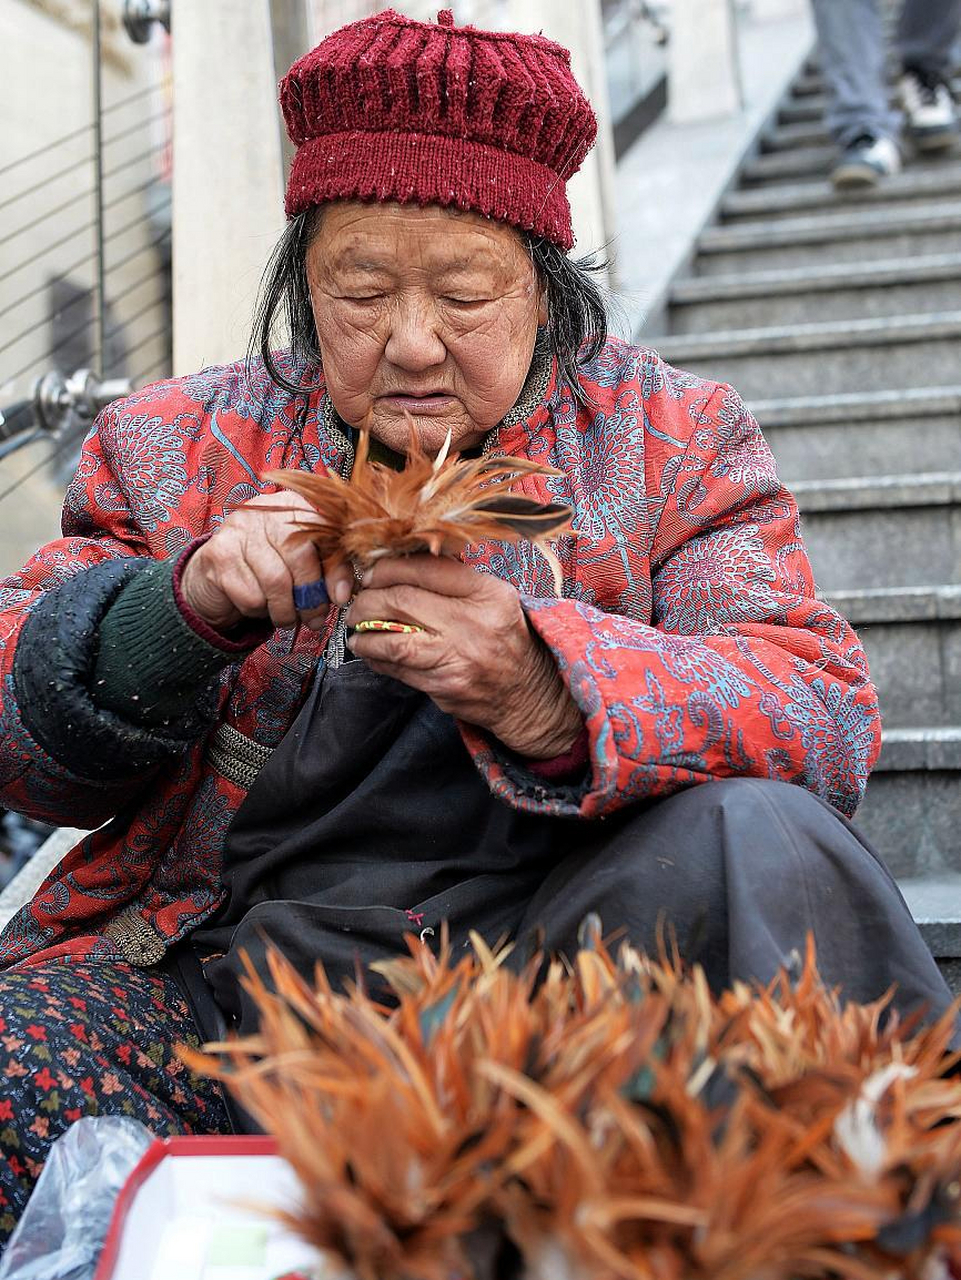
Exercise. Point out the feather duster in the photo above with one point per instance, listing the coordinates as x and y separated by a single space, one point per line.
609 1119
437 504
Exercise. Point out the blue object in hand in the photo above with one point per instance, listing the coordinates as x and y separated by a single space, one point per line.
310 595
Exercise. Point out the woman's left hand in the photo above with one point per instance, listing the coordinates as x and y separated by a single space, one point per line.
477 658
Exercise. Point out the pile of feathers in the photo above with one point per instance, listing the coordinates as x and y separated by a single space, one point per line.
604 1117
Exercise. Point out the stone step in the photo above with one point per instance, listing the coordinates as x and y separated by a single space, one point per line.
810 72
916 667
805 132
825 278
868 434
778 243
891 531
912 637
921 402
799 162
812 164
912 810
804 108
808 83
911 189
785 137
833 356
893 605
832 291
935 903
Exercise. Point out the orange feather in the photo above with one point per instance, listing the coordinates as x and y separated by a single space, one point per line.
437 504
609 1118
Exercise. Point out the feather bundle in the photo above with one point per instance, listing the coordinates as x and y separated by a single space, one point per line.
437 504
609 1119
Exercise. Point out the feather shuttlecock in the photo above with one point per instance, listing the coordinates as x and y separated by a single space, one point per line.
607 1120
437 504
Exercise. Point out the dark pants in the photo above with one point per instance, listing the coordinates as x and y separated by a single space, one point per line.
742 870
739 870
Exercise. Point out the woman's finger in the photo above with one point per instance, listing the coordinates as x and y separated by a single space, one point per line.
441 574
340 580
274 578
307 599
400 604
411 657
299 555
238 585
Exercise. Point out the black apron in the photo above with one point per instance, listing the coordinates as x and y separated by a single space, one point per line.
370 821
367 822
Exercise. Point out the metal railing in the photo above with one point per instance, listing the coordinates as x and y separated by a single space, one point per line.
85 297
60 409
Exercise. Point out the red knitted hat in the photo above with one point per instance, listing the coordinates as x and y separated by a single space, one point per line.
429 113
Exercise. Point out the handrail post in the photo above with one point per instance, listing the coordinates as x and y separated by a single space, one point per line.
228 186
703 78
578 27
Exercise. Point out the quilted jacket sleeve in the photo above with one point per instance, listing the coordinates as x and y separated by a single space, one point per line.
55 602
743 672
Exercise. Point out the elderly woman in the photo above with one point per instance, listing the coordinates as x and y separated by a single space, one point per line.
669 742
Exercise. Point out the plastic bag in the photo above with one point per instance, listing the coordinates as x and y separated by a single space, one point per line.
62 1230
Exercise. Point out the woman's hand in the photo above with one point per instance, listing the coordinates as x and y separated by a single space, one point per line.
476 658
249 567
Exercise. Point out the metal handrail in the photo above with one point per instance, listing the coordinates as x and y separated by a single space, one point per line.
58 405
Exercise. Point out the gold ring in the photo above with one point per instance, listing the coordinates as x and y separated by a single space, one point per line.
382 624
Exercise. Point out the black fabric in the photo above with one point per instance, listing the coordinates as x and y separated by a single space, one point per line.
367 822
54 683
151 666
740 871
370 821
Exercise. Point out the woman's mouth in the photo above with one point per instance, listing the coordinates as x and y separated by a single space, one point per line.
434 402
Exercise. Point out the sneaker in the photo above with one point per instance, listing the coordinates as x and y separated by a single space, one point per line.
865 161
931 119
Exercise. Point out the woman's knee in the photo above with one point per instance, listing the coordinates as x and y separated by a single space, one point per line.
762 819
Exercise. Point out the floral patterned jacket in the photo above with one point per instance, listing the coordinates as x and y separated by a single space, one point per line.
688 630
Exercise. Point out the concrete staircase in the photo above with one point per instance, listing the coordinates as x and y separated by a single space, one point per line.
839 321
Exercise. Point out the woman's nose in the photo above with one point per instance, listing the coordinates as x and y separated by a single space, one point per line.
415 340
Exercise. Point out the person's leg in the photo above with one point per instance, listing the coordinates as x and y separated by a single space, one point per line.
851 43
927 35
927 44
91 1039
741 871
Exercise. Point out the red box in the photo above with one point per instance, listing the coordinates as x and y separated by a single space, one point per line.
198 1208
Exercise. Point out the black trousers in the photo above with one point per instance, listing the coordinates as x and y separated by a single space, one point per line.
370 820
742 870
738 871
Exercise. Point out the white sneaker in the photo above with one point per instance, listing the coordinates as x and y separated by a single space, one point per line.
930 116
865 161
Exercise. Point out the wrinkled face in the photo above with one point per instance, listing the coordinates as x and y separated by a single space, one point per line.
422 311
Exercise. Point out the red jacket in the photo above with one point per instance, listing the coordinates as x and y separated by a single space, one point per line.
689 631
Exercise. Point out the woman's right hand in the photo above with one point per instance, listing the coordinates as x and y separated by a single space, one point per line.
249 566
